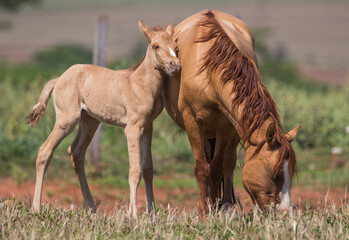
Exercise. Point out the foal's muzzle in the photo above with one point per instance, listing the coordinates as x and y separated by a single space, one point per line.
174 66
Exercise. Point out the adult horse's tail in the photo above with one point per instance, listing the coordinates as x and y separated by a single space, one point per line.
39 109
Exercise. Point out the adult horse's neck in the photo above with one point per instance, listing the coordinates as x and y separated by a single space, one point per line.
238 117
232 64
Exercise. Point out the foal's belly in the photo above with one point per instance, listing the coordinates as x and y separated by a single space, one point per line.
119 114
111 114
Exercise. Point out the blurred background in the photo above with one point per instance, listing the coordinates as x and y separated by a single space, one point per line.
303 56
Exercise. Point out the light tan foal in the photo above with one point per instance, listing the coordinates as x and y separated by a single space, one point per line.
88 95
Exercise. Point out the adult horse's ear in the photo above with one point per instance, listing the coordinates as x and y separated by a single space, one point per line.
270 135
147 31
293 133
170 29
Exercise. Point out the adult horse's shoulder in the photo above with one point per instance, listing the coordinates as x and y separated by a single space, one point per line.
238 32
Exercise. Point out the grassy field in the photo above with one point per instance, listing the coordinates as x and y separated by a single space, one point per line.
18 222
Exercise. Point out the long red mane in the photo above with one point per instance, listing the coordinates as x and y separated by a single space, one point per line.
248 89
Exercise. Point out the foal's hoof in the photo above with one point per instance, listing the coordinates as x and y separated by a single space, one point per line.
35 209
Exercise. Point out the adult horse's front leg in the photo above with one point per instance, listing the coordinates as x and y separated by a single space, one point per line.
147 166
202 168
216 165
133 134
229 164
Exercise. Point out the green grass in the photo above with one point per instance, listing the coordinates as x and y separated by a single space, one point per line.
17 221
317 170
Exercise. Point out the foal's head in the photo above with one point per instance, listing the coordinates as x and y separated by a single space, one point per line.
163 47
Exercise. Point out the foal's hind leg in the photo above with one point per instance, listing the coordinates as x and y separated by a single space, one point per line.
147 166
77 152
61 129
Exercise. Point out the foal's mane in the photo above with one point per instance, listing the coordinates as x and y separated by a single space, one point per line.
258 104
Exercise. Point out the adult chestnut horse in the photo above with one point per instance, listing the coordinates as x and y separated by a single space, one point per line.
87 95
219 94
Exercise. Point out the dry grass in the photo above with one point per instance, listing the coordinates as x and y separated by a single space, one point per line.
18 222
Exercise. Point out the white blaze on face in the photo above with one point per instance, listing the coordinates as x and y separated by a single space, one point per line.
285 194
172 53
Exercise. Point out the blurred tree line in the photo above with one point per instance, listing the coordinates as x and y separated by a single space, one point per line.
14 5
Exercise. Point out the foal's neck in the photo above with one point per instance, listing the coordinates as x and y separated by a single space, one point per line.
148 72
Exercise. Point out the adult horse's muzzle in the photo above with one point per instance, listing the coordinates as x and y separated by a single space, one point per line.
265 191
285 194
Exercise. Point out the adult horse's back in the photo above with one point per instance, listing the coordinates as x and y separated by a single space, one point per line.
219 94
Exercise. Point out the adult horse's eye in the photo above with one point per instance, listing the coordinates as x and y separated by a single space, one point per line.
279 178
156 47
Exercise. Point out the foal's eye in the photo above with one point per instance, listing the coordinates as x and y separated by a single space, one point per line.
156 47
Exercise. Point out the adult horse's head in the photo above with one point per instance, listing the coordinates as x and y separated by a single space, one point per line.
270 166
162 47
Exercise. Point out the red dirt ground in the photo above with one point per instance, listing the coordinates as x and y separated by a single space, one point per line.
107 197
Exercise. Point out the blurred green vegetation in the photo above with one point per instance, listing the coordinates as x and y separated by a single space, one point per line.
321 110
14 5
63 56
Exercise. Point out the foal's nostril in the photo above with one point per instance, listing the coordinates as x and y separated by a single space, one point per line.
174 66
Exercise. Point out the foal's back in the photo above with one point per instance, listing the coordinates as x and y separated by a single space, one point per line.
100 91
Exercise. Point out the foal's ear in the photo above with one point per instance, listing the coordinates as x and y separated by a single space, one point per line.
170 29
270 135
293 133
147 31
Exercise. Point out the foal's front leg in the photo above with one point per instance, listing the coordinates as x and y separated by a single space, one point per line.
133 135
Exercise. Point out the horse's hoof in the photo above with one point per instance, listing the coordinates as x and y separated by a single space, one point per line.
227 206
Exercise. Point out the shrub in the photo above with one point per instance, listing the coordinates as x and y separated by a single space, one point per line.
63 56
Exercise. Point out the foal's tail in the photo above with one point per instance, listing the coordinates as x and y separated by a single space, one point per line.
39 109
